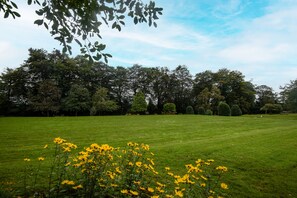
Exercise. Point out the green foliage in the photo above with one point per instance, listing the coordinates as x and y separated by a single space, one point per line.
80 21
289 95
235 110
139 104
169 108
78 99
208 112
47 98
105 171
102 103
224 109
272 108
201 111
189 110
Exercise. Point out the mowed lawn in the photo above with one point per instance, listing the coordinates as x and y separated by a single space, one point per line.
260 152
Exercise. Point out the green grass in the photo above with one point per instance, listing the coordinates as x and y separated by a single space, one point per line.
261 153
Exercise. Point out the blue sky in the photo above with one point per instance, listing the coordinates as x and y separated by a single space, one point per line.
256 37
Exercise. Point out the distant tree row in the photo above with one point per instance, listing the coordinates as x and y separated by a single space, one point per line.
55 84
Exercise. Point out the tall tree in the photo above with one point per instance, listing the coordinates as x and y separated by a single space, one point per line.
47 99
139 104
77 100
289 96
81 20
183 83
102 103
120 87
264 95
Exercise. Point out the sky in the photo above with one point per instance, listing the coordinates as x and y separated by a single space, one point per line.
255 37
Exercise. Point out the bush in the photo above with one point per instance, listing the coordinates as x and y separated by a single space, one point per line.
105 171
208 112
224 109
189 110
235 110
201 111
272 108
169 108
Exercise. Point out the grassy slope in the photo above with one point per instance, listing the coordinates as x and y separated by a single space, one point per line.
260 152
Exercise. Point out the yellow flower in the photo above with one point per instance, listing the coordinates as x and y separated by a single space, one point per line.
168 196
118 170
59 140
222 168
167 168
134 192
114 185
27 160
130 164
45 146
40 158
150 189
160 190
68 182
155 196
179 193
78 187
224 186
136 182
203 185
161 185
124 191
138 164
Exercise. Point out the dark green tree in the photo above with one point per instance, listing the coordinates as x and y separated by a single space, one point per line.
77 100
189 110
139 104
47 99
235 110
201 111
224 109
102 103
182 87
289 96
264 95
169 108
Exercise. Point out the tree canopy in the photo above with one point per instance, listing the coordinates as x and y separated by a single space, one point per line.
80 21
53 83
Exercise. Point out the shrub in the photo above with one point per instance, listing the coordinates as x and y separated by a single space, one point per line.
272 108
105 171
139 104
224 109
208 112
169 108
201 111
235 110
189 110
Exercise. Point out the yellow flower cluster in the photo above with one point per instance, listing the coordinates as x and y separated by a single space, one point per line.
68 182
131 172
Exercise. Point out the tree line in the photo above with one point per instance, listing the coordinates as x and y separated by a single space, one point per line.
55 84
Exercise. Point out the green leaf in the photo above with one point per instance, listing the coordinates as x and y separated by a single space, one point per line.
29 2
14 5
16 14
6 14
45 25
38 22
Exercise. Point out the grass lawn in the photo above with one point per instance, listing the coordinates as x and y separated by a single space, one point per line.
260 152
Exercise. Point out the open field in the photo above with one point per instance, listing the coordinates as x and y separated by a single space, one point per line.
260 152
